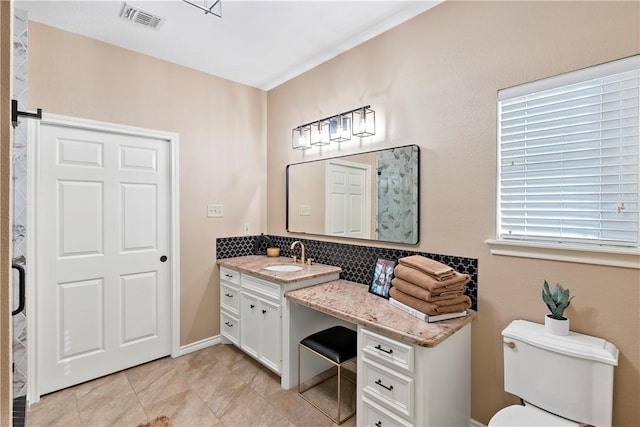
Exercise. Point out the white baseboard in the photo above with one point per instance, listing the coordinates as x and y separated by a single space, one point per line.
200 345
475 423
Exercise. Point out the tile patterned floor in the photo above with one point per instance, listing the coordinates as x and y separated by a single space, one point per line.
217 386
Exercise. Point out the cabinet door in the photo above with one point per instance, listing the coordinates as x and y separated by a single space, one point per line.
270 335
250 325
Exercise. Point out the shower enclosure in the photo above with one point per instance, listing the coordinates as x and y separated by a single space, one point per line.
19 195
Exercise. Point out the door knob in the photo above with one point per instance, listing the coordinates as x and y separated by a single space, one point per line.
163 258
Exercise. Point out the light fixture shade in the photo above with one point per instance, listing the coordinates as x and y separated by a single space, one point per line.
340 128
320 133
364 122
301 137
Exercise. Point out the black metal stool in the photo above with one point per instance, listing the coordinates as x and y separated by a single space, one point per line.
337 345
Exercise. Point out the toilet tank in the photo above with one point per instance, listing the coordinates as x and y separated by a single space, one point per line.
570 376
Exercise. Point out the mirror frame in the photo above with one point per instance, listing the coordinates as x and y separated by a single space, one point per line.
346 156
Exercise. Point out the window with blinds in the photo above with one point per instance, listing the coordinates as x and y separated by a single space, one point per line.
569 157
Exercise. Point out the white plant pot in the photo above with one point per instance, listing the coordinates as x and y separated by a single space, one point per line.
555 326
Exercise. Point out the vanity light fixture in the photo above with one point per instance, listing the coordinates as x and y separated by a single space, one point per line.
338 128
301 137
364 122
320 133
213 7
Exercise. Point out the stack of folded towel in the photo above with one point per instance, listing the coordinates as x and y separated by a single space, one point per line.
428 286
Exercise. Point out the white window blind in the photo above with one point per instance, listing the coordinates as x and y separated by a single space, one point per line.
569 157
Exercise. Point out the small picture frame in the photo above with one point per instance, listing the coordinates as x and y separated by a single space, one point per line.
382 275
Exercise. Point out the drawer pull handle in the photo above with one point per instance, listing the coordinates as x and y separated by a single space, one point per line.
264 311
228 275
252 306
379 382
228 295
379 347
228 324
379 424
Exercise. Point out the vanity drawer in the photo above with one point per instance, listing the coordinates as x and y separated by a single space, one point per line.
229 275
230 298
375 416
389 388
388 351
262 287
230 328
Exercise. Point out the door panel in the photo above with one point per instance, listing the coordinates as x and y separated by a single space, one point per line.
81 318
140 217
81 223
140 313
103 296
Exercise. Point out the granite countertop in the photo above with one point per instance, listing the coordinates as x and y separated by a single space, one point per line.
354 303
256 265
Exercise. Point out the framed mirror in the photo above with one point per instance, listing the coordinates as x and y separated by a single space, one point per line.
373 195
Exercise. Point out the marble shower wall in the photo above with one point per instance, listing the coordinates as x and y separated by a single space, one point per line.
397 199
19 197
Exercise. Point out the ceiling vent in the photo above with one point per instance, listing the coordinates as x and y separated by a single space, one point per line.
135 14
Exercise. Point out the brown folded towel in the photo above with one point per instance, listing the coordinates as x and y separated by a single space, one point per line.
462 303
423 294
427 282
427 265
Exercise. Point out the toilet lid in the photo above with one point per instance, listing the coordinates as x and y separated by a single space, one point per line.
518 415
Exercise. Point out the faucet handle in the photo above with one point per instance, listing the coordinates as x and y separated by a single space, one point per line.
309 261
295 259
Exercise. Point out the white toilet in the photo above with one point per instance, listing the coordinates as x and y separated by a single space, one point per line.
563 380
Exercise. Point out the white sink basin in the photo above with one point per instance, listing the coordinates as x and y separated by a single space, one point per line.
284 267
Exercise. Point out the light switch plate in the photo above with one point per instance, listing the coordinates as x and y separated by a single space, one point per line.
215 211
305 210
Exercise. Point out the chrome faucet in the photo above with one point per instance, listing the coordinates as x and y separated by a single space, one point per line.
293 245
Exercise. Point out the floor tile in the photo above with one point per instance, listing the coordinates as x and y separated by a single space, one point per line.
297 410
212 381
55 409
156 381
102 390
184 409
244 407
123 411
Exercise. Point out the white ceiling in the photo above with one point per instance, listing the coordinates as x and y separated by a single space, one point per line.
258 43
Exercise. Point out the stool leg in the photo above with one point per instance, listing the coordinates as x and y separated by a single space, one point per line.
298 367
339 392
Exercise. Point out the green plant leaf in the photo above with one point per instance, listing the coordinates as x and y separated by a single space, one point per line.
557 301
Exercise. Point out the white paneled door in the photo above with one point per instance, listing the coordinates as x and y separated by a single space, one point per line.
103 280
347 199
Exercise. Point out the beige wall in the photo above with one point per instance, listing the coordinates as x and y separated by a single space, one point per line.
307 187
432 82
222 128
6 30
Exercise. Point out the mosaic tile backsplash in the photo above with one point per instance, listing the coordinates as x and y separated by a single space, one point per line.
356 261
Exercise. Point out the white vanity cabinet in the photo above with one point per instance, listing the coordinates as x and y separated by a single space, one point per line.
254 315
400 384
260 331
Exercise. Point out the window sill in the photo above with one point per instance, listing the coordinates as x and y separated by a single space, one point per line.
616 257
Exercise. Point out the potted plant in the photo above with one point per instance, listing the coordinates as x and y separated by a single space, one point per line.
557 301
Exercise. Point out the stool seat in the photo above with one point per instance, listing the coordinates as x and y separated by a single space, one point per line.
337 344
